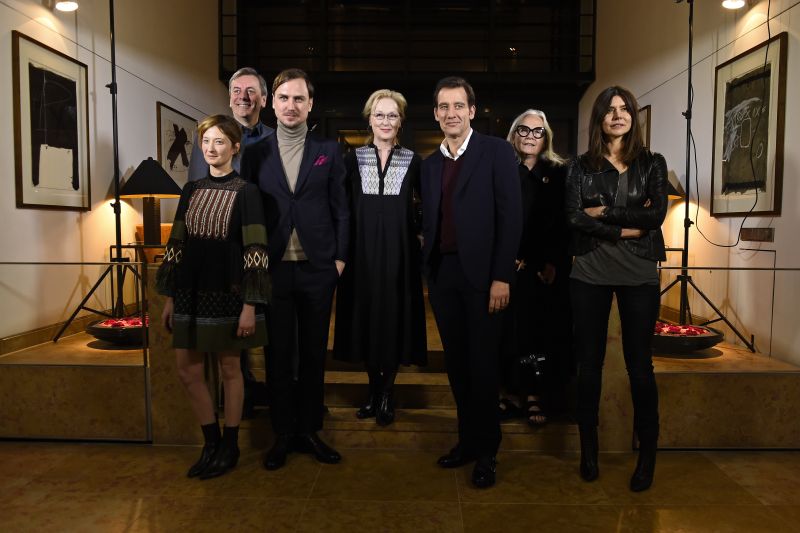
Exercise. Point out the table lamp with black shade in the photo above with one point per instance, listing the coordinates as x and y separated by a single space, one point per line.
150 182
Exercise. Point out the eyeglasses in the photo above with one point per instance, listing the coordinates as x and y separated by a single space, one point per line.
524 131
391 117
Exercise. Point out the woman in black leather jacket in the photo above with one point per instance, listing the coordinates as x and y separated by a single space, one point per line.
616 200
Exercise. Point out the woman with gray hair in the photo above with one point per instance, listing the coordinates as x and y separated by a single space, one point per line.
535 356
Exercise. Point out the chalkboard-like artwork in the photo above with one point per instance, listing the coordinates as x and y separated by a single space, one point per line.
54 130
174 138
51 127
749 116
746 132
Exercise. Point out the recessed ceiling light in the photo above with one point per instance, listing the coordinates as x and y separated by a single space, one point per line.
66 6
733 4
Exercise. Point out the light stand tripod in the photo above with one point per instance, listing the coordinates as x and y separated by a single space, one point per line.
118 309
685 316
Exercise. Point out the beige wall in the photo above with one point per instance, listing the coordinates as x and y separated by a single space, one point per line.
643 45
166 51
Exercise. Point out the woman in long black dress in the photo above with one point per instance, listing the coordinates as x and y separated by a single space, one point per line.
532 351
380 316
214 275
616 201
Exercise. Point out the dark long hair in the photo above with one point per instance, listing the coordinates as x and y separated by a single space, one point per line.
632 143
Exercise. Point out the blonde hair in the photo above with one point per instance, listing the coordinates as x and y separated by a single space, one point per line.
378 95
227 125
547 153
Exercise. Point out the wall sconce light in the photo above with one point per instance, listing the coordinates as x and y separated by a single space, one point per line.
733 4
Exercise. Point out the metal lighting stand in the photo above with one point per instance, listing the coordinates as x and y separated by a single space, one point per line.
684 278
121 268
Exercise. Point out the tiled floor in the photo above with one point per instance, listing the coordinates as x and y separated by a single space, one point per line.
119 487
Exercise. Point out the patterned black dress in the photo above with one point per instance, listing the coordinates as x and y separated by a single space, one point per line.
380 314
215 261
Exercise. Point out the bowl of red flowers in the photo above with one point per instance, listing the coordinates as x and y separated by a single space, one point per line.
681 338
126 330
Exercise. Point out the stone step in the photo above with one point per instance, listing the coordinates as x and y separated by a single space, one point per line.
411 390
417 429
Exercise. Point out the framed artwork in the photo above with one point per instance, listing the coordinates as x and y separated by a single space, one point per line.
749 116
175 141
51 127
644 122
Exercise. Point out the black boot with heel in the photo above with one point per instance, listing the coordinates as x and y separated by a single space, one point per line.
589 451
226 456
642 477
212 437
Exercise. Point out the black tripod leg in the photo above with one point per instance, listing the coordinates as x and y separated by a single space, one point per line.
723 317
83 302
668 287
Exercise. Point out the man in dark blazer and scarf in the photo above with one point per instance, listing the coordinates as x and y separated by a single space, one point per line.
472 223
301 177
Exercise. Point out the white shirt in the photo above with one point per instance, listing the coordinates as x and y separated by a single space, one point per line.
459 152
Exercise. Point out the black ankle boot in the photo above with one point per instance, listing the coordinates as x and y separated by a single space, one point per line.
642 477
227 454
211 436
589 448
385 415
369 409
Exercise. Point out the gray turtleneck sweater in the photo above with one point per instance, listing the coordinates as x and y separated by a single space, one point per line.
291 142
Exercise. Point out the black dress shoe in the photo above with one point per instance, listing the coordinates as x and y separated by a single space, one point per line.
483 475
455 458
276 456
311 443
589 451
224 459
642 477
385 414
205 459
369 409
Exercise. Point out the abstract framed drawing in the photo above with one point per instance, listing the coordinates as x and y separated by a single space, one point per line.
51 127
749 118
175 141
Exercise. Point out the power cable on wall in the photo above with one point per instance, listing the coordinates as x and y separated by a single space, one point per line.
76 43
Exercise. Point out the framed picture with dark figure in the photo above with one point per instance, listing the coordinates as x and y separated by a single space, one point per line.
749 117
175 141
51 127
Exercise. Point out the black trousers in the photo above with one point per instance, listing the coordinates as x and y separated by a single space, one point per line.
469 337
638 311
299 314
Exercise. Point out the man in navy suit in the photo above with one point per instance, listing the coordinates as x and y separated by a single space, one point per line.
301 177
248 96
472 224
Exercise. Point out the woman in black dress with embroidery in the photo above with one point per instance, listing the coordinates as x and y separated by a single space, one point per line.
214 275
380 315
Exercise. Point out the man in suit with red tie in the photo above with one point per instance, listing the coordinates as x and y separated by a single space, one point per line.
472 224
301 177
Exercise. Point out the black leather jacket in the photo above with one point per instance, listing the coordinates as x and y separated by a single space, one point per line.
647 180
